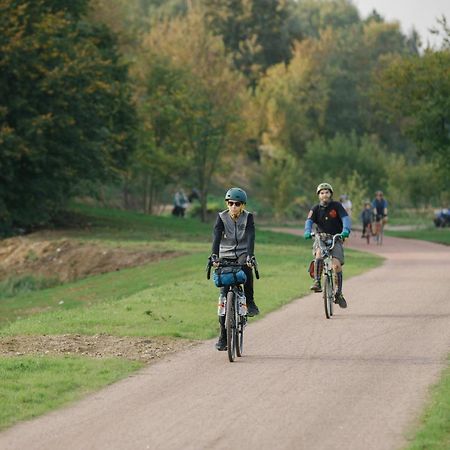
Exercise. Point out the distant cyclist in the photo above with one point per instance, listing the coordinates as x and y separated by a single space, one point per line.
330 218
380 208
234 240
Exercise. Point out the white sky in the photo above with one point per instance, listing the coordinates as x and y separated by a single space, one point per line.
418 13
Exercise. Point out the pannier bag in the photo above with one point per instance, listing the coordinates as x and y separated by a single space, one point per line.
227 276
311 269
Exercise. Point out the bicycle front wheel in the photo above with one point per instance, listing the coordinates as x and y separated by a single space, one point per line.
240 334
230 324
328 296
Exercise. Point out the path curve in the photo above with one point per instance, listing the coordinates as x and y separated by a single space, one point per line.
358 381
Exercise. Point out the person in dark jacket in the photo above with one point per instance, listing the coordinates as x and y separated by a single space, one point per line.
234 239
366 219
330 218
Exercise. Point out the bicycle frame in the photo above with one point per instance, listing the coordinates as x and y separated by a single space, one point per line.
235 322
328 273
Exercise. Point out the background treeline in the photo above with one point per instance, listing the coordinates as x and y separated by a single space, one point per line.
125 100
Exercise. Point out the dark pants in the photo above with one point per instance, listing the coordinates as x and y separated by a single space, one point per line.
248 285
248 290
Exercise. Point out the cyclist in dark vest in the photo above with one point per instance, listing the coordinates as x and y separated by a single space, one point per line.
330 218
234 239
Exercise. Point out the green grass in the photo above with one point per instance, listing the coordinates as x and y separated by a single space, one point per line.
167 298
32 386
172 298
431 234
14 286
434 431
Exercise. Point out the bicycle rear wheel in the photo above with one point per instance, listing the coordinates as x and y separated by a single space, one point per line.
381 235
328 296
230 325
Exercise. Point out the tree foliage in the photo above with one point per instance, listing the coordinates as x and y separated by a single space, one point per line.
64 109
205 107
416 91
254 32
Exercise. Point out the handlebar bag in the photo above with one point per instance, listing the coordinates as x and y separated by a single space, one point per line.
228 276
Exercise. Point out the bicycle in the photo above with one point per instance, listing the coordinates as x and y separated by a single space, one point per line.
367 232
379 229
235 312
328 275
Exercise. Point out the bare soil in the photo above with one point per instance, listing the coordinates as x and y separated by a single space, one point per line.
67 259
99 346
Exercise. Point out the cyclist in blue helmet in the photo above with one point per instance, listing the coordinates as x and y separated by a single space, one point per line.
234 239
330 218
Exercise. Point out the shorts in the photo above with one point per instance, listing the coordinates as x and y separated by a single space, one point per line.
337 252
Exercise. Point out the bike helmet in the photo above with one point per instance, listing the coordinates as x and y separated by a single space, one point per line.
236 194
324 186
379 193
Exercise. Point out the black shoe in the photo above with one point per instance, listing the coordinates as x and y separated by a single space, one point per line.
316 287
252 309
221 344
340 300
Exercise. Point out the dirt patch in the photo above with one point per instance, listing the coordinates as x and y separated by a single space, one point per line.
68 260
98 346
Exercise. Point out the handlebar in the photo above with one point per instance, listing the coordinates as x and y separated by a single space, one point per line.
335 237
209 265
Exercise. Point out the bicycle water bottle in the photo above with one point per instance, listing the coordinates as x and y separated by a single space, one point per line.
221 305
242 304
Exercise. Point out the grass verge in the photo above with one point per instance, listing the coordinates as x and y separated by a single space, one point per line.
434 432
32 386
431 234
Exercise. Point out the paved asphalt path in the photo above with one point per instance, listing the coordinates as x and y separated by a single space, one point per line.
358 381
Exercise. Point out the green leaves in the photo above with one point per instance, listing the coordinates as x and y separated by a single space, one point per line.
65 109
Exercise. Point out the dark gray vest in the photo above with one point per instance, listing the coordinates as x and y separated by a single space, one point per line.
234 241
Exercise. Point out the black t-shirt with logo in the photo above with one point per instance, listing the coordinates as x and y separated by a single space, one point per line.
328 218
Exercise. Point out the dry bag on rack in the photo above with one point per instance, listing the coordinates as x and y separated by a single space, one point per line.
228 276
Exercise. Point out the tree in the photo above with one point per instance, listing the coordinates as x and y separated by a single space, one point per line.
65 112
416 92
254 32
209 100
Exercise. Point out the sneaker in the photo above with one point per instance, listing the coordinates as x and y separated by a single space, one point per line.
221 344
316 287
340 300
252 309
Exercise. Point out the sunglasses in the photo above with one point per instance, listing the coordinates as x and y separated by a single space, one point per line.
230 203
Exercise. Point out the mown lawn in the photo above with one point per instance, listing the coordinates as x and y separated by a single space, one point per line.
431 234
167 298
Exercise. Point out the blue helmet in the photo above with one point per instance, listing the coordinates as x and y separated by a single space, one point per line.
236 194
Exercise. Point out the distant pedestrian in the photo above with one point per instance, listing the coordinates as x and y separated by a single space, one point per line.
180 203
346 203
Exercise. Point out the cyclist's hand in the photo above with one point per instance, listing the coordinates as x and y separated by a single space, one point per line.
214 260
250 261
307 235
345 234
